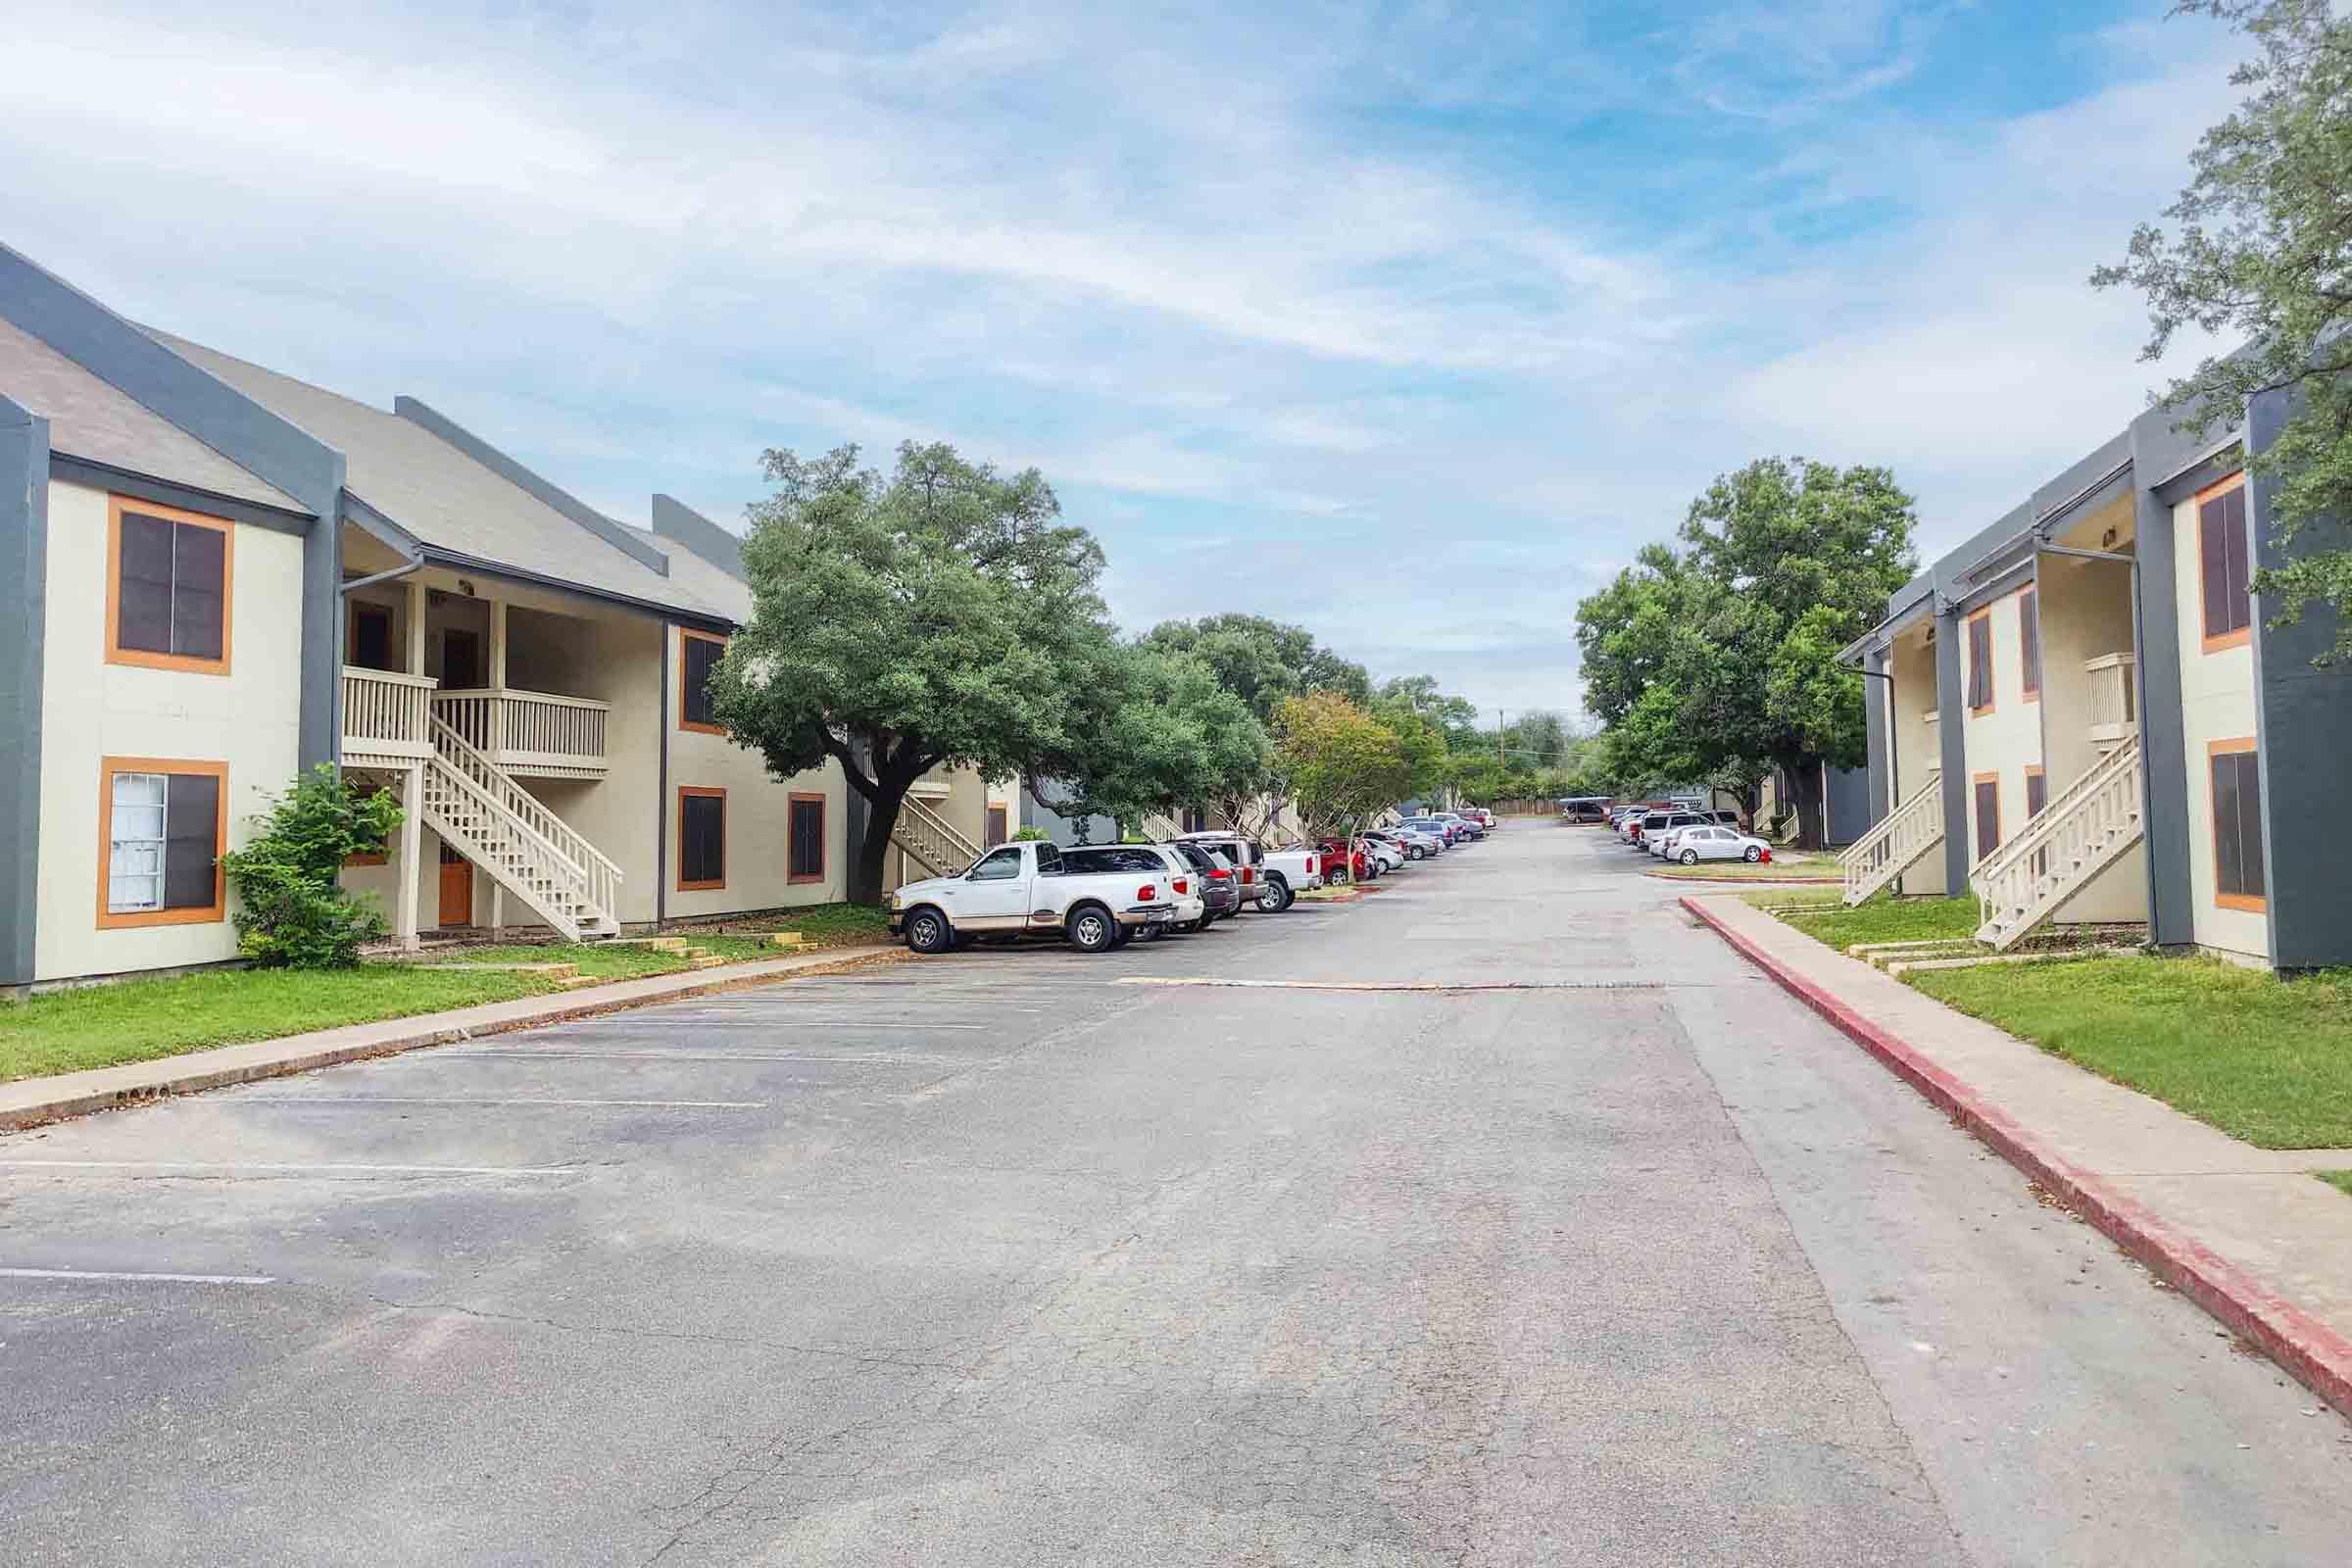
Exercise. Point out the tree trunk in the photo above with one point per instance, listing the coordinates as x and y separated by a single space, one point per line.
1805 792
866 868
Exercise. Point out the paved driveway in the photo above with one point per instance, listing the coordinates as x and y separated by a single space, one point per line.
1005 1258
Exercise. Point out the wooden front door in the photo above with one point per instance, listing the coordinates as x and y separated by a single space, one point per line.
456 888
461 662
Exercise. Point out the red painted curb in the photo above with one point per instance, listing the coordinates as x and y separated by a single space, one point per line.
2319 1356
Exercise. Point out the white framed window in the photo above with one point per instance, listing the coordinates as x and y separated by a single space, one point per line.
134 870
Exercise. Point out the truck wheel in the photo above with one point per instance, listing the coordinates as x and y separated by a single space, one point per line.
927 931
1091 928
1276 896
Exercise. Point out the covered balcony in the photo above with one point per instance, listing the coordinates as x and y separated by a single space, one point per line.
2114 698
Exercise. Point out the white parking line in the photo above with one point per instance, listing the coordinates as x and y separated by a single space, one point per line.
554 1055
231 1167
463 1100
105 1275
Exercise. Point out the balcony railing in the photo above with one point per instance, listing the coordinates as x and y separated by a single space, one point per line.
384 716
535 733
2114 697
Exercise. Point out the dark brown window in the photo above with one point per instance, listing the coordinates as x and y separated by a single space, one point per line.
702 839
167 589
1989 813
2029 637
164 830
698 654
2221 547
807 850
371 637
1980 661
2238 881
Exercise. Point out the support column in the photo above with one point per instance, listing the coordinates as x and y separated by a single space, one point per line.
412 854
415 591
497 678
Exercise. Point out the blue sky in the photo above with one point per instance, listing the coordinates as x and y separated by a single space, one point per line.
1473 296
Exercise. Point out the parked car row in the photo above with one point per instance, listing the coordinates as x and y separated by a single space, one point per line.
1688 836
1102 896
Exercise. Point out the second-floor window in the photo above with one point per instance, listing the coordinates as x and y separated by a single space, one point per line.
1980 661
698 654
167 588
2223 564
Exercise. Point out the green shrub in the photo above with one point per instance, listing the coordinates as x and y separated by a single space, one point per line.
291 914
1028 834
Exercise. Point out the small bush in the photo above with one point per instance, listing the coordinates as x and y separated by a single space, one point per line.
1030 834
291 914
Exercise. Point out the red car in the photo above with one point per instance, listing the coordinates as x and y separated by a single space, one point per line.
1359 867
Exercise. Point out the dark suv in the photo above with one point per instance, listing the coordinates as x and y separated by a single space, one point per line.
1220 893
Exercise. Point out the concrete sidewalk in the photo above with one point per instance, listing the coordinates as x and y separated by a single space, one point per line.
31 1101
2246 1233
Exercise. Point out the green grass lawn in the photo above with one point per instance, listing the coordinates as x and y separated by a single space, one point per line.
105 1026
2265 1059
1886 919
138 1020
822 925
2340 1180
1775 870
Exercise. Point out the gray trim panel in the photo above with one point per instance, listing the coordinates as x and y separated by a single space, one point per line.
673 519
492 569
2163 743
24 630
106 476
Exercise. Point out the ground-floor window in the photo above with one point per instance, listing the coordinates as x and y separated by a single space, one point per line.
2240 880
702 839
166 829
2037 795
1989 813
806 847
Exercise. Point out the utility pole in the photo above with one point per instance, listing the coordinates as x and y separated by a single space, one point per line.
1499 760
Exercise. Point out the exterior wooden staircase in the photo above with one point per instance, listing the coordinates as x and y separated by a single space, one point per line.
931 839
480 810
2069 841
1897 843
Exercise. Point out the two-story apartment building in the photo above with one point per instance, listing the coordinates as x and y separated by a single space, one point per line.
221 576
2082 714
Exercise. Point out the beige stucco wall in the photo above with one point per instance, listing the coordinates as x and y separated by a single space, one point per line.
2085 613
759 822
248 718
2217 703
2005 739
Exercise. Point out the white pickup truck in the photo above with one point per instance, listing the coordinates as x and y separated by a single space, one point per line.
1271 879
1025 887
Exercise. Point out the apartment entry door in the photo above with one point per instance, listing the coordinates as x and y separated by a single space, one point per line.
456 888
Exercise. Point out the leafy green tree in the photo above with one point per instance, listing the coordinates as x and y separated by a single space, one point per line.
1341 764
2261 249
942 617
291 912
1153 732
1423 740
1455 715
1262 662
1716 664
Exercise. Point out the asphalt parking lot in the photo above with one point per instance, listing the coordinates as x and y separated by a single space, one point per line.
1206 1251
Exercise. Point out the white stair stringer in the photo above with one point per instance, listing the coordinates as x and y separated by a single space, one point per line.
2055 855
1897 843
926 836
485 815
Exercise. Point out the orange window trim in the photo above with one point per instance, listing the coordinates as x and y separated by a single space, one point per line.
209 914
824 848
1993 779
1992 684
684 886
684 633
140 658
2245 635
2250 903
